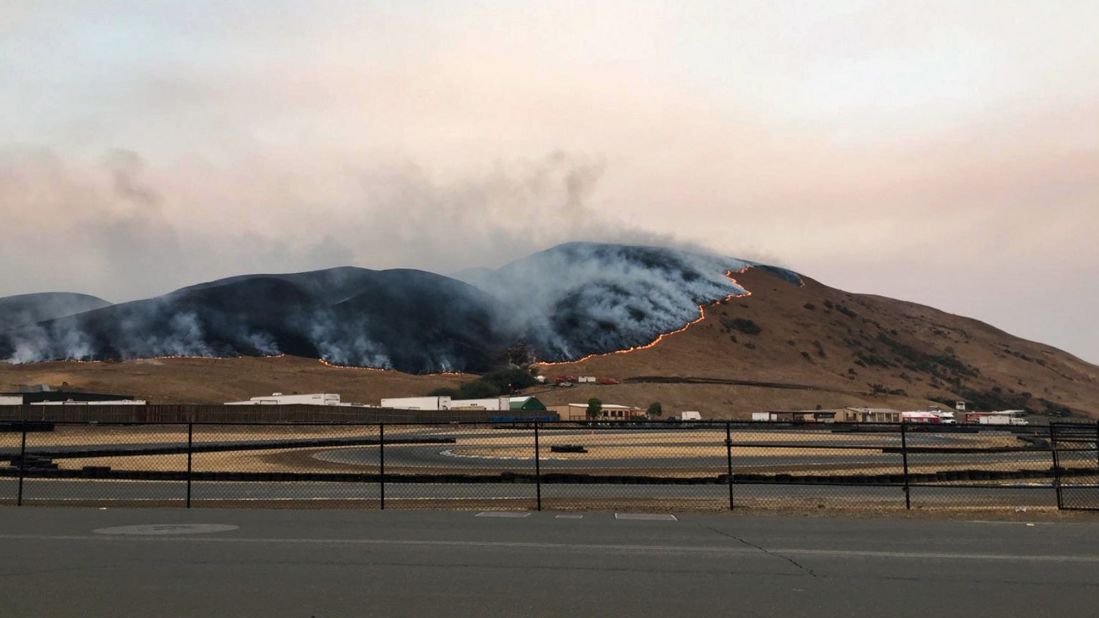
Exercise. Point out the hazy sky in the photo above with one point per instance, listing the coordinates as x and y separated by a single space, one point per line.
941 152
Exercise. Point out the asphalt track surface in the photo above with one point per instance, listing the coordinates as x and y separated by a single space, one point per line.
210 562
710 452
459 495
435 456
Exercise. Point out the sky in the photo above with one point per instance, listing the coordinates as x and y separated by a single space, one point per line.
940 152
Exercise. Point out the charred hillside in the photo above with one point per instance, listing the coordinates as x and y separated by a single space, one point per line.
561 304
399 319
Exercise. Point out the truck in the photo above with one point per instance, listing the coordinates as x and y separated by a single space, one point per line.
690 415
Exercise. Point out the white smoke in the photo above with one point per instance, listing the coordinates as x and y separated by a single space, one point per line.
621 296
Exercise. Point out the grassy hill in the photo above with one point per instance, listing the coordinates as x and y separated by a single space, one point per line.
785 346
822 346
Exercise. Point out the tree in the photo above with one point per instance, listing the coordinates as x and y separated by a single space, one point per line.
510 381
655 409
594 407
479 389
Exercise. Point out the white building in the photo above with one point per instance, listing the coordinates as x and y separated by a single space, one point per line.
278 399
446 403
491 403
416 403
107 402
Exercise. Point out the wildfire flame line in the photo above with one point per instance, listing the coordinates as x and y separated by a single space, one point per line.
662 336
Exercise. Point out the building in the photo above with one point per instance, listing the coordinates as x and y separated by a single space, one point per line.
796 416
609 411
488 403
42 394
446 403
101 402
868 415
416 403
526 403
838 415
278 399
998 417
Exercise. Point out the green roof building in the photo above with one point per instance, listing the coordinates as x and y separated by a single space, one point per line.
527 403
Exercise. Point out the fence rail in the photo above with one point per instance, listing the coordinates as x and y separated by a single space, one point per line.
552 465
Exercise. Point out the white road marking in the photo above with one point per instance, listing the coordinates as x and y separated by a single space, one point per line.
503 514
569 516
162 529
646 516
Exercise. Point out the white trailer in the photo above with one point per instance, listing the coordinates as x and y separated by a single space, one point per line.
490 403
278 399
690 415
417 403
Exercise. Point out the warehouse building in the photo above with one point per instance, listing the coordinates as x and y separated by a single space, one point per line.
446 403
278 399
608 411
43 394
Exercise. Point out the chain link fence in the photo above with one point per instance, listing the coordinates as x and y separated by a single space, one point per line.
551 465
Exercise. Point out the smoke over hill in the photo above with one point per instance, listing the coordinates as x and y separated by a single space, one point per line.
579 299
27 309
564 303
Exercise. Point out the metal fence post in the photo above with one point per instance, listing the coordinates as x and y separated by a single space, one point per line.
381 464
1056 464
22 465
190 452
904 457
537 468
729 459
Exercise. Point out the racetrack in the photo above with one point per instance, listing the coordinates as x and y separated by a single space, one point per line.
478 466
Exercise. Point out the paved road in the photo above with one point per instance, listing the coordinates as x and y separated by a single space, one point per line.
713 496
77 562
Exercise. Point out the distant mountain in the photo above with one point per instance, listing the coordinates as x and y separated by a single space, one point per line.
26 309
729 332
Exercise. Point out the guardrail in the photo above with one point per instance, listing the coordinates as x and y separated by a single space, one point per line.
557 465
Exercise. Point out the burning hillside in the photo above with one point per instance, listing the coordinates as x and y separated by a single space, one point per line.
566 303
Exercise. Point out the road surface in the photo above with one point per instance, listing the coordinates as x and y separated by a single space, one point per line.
165 562
457 495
